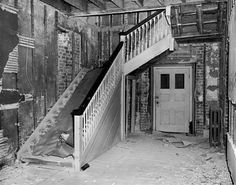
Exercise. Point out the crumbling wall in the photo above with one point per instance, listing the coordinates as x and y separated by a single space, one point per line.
144 105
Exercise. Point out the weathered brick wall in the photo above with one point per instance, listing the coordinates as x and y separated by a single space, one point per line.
69 59
144 111
188 54
64 61
198 51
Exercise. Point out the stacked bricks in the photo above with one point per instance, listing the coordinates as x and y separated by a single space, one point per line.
65 62
198 50
76 53
144 91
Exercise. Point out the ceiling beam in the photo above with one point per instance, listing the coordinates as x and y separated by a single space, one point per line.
139 2
99 4
80 4
59 5
118 3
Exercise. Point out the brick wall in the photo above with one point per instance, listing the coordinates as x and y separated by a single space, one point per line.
198 51
69 59
191 54
144 111
64 61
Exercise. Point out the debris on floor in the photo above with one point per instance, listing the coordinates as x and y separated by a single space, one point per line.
140 160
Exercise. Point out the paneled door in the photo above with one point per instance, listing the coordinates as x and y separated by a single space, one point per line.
172 99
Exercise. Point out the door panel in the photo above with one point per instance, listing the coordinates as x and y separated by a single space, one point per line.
172 99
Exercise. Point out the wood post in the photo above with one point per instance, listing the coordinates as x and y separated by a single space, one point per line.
127 108
77 142
122 120
200 21
133 106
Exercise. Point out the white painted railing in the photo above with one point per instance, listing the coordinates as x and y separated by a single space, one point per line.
146 34
88 121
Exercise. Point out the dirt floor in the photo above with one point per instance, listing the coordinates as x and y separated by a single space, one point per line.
143 159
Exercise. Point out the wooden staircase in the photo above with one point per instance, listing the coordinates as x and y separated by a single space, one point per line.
139 45
99 120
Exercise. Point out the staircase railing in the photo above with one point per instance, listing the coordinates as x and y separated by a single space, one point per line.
88 117
50 118
146 33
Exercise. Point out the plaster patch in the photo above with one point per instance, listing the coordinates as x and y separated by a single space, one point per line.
212 81
212 95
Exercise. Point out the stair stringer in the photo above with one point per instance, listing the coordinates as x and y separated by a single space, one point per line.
148 54
50 118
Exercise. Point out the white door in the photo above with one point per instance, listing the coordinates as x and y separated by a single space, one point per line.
172 99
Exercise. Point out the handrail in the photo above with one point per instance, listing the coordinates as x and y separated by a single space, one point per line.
146 33
88 117
142 22
98 81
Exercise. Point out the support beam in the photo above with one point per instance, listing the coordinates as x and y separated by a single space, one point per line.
59 5
118 3
178 20
80 4
127 108
99 4
133 108
139 3
199 19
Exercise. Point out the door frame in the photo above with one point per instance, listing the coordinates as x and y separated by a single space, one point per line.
190 67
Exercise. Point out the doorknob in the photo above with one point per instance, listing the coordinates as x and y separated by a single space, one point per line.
157 102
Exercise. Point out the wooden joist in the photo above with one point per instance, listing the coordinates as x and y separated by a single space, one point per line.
118 3
59 5
220 17
178 20
199 19
213 10
80 4
99 4
195 24
139 3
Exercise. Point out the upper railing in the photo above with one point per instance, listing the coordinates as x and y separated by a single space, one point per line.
146 33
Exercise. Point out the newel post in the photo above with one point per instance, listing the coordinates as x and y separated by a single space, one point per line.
77 142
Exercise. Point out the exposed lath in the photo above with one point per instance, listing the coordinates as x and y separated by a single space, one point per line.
12 63
8 8
26 41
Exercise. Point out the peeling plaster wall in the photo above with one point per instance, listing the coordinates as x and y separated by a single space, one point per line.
212 72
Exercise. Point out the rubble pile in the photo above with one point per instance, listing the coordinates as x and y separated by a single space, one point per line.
4 148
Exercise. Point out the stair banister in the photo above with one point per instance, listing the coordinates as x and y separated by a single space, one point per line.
147 33
89 114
